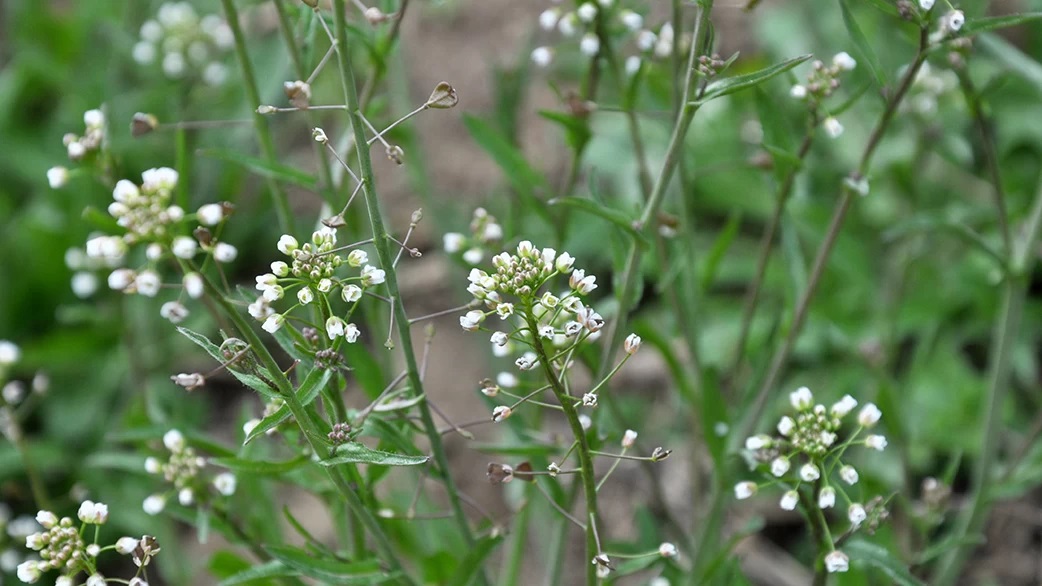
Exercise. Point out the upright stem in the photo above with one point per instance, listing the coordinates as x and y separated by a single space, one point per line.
586 475
279 198
381 241
781 355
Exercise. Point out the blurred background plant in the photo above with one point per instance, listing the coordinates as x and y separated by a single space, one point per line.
909 155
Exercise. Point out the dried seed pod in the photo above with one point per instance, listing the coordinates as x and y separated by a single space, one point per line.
142 124
443 97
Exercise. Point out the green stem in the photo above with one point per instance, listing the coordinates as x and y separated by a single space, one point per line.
583 448
514 569
279 198
381 241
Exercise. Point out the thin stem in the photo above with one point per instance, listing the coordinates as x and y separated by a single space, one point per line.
279 198
585 457
987 143
386 258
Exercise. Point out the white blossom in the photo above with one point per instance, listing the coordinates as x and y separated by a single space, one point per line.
798 92
225 483
542 56
954 20
224 252
857 515
876 442
210 214
590 44
631 20
789 500
801 399
372 275
744 490
148 283
786 426
832 127
667 550
586 12
869 415
631 344
628 438
126 545
453 242
273 323
843 406
926 5
305 295
351 293
184 247
844 61
193 284
757 442
57 177
472 320
154 504
357 258
287 244
848 474
9 353
174 440
500 413
837 561
809 473
173 311
335 327
779 466
548 18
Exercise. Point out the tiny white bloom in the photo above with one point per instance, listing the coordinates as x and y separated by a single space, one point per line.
96 580
779 466
280 268
954 20
801 399
809 473
287 244
152 465
789 500
224 252
120 279
9 353
590 400
193 284
798 92
174 440
453 242
869 415
500 413
633 63
148 283
126 545
210 214
590 45
324 285
744 490
857 515
357 258
837 561
500 338
184 247
548 18
832 127
506 379
585 422
273 323
567 24
93 119
225 483
173 311
351 293
827 497
631 20
631 344
542 56
67 580
473 256
154 504
757 442
667 550
186 497
646 40
335 327
786 425
57 177
472 320
628 438
372 275
844 61
351 333
305 295
876 442
586 12
843 406
926 5
848 474
29 571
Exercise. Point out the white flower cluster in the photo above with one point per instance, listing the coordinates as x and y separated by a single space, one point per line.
623 22
182 470
78 147
61 546
822 81
928 88
185 44
485 232
312 272
807 448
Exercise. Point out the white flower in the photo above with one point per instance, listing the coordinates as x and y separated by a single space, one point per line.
148 283
585 422
869 415
93 119
305 295
546 332
120 279
173 311
631 20
280 268
837 561
631 344
372 275
351 293
926 5
554 469
844 61
633 63
667 550
548 18
563 263
57 177
801 399
566 25
809 473
744 490
843 406
876 442
126 545
453 242
590 45
273 323
67 580
76 150
798 92
472 320
504 310
827 497
154 504
215 73
9 353
500 338
789 500
832 127
779 466
586 12
857 515
184 247
351 333
193 284
473 256
272 293
500 413
224 252
506 379
186 497
954 20
96 580
526 362
29 571
590 400
335 327
152 465
159 179
153 251
646 40
324 285
757 442
848 474
542 56
210 214
628 438
287 244
225 483
581 283
786 425
174 440
357 258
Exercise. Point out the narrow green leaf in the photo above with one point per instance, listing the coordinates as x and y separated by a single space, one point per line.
470 565
314 382
332 571
990 23
614 216
881 558
356 453
260 574
719 249
737 83
251 380
122 461
576 130
260 466
1017 61
262 167
861 46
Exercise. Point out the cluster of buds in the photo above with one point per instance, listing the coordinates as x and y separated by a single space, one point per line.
79 147
711 65
623 23
809 445
148 217
62 546
185 44
182 470
485 232
312 271
822 82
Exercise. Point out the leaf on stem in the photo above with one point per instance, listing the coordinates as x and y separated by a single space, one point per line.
356 453
730 85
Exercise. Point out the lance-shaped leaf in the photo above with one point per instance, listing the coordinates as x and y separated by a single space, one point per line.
990 23
861 45
327 570
253 381
614 216
314 382
738 83
881 558
356 453
242 465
